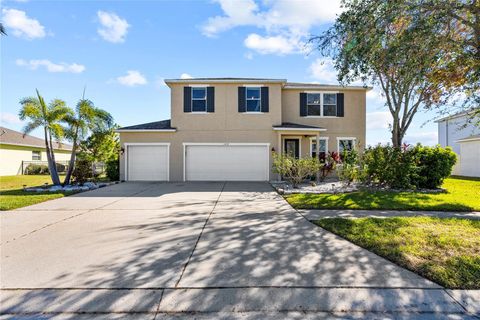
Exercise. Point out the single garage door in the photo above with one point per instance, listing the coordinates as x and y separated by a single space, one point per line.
147 162
227 162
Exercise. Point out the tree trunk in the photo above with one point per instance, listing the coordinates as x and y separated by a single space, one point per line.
52 168
71 164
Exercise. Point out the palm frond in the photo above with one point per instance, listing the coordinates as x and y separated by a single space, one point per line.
57 131
29 127
43 105
31 111
2 30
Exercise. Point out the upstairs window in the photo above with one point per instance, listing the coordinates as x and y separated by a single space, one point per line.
322 104
36 155
329 104
313 104
254 101
199 99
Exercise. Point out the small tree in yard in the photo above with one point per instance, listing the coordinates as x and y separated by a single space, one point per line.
49 118
87 118
295 170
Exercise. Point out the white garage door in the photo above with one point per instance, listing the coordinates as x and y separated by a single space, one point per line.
226 162
147 162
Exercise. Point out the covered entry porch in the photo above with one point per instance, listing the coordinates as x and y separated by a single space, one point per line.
300 140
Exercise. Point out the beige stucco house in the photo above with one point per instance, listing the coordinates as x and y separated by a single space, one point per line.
18 150
227 128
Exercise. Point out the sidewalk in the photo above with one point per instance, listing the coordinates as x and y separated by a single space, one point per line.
248 303
345 213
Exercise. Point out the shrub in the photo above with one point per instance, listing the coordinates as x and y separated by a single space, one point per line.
61 167
82 172
113 170
349 170
36 169
407 167
295 170
434 165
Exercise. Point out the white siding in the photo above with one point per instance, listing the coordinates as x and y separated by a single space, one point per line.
450 131
470 158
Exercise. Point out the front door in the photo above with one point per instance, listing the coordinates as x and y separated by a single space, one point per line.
291 146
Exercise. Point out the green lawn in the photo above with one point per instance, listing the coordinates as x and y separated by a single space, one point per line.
463 194
12 196
446 251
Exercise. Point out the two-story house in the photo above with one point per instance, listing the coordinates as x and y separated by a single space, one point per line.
227 128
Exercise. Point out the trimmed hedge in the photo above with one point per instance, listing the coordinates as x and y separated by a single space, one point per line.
407 167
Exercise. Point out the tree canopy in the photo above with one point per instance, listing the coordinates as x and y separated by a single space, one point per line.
413 50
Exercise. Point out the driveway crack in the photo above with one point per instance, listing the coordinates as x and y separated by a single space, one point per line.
200 235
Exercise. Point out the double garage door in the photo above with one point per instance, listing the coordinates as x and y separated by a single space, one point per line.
202 162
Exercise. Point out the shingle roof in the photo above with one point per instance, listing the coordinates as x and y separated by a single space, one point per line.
290 125
157 125
306 85
12 137
226 80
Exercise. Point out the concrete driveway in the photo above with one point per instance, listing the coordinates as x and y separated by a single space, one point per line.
233 249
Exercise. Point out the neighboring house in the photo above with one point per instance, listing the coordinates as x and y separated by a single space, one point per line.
463 137
17 150
226 128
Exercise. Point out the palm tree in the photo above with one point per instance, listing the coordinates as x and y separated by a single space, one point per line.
87 118
2 30
49 117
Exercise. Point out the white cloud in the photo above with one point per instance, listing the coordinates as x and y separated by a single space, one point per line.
114 29
272 45
9 118
21 25
132 79
286 22
185 76
323 70
378 120
50 66
428 138
248 55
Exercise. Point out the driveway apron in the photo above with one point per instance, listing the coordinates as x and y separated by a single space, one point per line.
159 248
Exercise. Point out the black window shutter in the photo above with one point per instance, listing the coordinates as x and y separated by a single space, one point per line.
210 99
241 100
303 104
187 99
340 105
265 99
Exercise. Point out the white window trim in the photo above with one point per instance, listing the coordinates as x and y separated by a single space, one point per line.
346 138
206 98
246 100
321 103
314 139
186 144
39 154
127 144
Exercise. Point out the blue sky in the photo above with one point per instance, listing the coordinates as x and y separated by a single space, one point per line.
122 50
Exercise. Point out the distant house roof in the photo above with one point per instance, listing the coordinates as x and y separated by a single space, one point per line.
457 115
163 125
296 126
471 138
12 137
